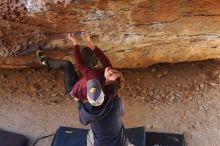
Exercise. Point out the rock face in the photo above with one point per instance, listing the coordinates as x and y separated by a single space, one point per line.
135 33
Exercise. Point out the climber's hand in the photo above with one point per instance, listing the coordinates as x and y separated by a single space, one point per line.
72 38
86 38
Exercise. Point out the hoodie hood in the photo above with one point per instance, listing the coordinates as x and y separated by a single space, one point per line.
94 112
105 122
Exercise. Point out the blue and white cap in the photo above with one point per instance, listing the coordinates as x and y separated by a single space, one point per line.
95 94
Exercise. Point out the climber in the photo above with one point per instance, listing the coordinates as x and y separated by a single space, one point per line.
75 86
104 114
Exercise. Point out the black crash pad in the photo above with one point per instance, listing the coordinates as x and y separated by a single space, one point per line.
77 137
12 139
70 137
136 136
164 139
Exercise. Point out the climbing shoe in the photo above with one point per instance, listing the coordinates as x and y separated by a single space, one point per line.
41 56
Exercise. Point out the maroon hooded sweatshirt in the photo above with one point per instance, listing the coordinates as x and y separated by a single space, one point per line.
79 89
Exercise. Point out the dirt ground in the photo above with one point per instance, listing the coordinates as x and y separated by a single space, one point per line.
178 98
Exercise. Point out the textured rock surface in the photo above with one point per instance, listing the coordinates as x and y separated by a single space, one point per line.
135 33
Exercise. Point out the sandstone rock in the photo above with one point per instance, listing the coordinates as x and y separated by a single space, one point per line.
172 98
157 97
165 72
197 88
202 86
213 84
45 81
35 87
29 72
1 34
202 76
162 95
159 75
138 79
138 87
215 74
195 81
217 60
156 108
61 94
54 95
148 126
151 93
146 32
153 69
3 76
40 94
33 70
178 85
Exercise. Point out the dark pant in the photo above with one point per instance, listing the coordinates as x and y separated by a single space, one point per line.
70 76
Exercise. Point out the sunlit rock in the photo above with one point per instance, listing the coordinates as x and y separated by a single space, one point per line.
132 33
